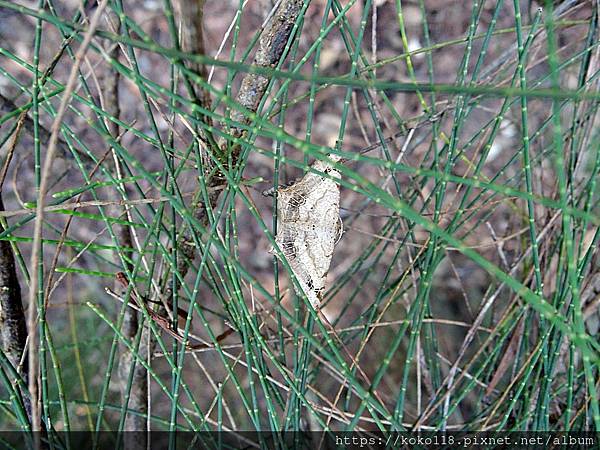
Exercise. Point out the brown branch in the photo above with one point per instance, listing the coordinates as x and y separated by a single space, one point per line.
271 46
162 320
190 15
270 52
13 326
135 394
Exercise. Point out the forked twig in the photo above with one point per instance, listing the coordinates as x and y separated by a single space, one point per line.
164 322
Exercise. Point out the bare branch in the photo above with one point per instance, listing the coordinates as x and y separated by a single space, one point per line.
253 88
13 329
270 51
133 395
13 326
190 15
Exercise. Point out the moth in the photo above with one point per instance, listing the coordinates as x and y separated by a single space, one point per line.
309 226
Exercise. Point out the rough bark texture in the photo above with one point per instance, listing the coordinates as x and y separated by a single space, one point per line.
269 53
13 325
13 328
190 16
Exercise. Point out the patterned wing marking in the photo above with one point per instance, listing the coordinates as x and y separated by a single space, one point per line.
308 227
